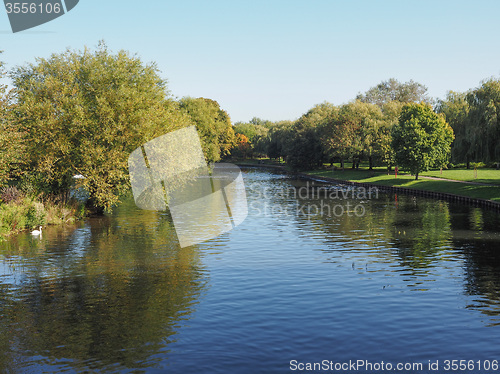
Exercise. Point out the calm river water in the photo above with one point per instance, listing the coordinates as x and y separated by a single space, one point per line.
304 280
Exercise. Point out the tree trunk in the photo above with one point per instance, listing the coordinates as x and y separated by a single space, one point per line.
353 163
370 162
416 175
342 164
468 163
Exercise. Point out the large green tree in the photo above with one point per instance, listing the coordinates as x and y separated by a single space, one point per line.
356 130
213 125
456 110
483 121
422 139
11 143
83 112
305 150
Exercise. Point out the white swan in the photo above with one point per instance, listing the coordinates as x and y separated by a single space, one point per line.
37 232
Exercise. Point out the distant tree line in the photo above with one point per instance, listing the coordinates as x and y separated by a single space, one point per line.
372 128
84 112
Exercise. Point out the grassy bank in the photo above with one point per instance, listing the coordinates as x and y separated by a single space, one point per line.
19 213
491 191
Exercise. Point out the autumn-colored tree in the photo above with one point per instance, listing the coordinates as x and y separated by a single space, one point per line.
243 146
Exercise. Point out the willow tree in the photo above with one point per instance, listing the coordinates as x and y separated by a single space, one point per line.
456 110
422 139
483 121
305 149
83 112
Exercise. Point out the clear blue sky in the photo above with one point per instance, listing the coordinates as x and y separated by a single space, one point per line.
275 59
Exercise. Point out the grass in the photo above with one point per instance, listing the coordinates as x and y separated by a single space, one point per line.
491 176
490 192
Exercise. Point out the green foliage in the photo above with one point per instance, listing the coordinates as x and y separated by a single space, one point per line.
358 129
456 110
393 90
213 125
251 131
304 149
20 215
261 122
11 146
422 139
278 139
475 121
483 121
83 112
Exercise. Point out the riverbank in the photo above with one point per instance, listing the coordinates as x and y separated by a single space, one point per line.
20 213
483 192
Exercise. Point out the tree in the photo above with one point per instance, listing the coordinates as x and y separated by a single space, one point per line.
243 146
422 139
250 130
456 110
256 135
261 122
84 112
11 145
391 112
279 139
393 90
483 121
305 150
213 125
355 130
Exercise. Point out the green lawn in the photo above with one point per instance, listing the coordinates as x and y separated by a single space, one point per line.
491 176
483 192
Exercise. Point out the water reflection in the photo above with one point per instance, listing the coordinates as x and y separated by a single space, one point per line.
414 237
107 294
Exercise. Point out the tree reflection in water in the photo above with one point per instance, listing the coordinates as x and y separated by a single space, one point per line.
108 294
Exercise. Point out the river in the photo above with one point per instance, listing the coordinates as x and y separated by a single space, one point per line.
308 278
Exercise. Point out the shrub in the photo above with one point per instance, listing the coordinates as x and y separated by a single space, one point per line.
24 214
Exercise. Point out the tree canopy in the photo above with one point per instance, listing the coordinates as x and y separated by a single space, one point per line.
11 147
83 112
213 125
422 139
393 90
